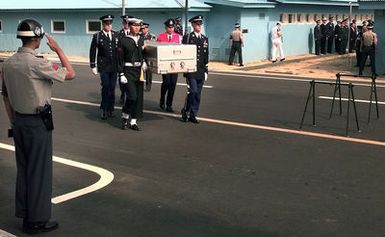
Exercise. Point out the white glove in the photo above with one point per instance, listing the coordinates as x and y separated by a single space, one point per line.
123 79
144 66
206 76
95 71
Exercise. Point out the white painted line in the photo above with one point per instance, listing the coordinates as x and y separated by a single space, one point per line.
182 84
6 234
289 79
356 100
106 177
254 126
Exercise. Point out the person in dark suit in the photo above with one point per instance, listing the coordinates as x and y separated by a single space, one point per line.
353 36
178 26
324 35
337 33
196 79
150 37
344 36
104 59
330 34
125 31
317 37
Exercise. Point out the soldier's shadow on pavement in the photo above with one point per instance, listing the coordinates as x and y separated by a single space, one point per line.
93 112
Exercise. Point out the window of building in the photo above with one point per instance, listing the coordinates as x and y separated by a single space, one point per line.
58 26
291 18
309 18
1 26
283 18
300 18
93 26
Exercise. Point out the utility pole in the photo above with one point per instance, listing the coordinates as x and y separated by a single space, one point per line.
185 17
123 7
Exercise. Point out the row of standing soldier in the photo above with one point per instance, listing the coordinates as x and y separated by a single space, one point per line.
327 35
121 55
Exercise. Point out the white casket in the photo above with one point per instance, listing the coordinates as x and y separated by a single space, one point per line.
164 58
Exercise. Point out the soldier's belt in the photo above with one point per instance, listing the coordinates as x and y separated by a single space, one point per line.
135 64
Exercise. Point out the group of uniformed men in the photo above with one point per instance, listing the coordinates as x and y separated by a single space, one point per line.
122 55
327 35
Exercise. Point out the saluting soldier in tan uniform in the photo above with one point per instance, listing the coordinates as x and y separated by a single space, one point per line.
26 88
236 39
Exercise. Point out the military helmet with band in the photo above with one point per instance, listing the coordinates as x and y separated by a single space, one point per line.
30 28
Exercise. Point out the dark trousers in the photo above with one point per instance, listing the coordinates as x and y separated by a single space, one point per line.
352 45
168 87
193 96
317 47
236 47
148 78
343 45
368 51
108 83
323 45
338 44
33 144
134 93
330 44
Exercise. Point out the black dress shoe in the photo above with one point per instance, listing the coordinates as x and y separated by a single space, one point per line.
184 115
135 127
124 124
103 115
274 61
282 59
169 109
193 120
32 228
111 114
162 106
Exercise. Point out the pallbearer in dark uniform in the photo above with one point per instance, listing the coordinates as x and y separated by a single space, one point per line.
330 34
122 33
131 64
104 46
361 30
195 80
169 80
236 38
178 26
324 34
317 37
147 36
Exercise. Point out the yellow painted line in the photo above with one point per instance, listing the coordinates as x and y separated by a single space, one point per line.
106 177
253 126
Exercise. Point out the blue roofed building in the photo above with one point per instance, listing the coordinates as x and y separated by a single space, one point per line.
73 22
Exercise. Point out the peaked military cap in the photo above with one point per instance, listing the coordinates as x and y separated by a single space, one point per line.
107 18
196 19
169 23
126 17
178 18
134 21
144 25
